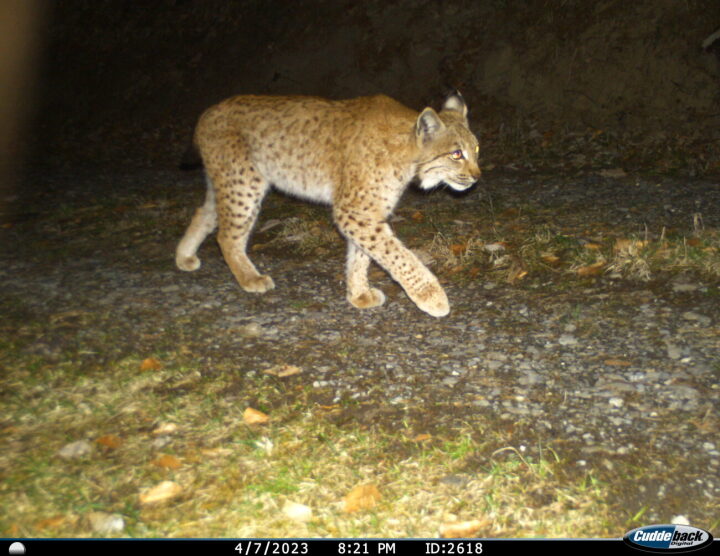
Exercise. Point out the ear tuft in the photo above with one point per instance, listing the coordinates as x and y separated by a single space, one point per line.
428 125
456 102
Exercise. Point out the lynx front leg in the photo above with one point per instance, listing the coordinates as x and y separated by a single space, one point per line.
377 240
359 292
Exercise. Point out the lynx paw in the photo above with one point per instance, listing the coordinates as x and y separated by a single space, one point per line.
433 300
259 284
370 298
187 263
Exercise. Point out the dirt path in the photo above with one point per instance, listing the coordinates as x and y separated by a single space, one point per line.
622 377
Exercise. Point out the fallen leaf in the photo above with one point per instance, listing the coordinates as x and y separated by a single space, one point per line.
50 522
297 512
550 259
167 461
495 247
216 452
109 441
417 216
592 245
516 273
629 245
167 490
591 270
613 173
254 417
422 437
458 248
362 497
165 428
150 364
617 363
461 529
282 371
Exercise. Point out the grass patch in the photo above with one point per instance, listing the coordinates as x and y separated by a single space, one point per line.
237 478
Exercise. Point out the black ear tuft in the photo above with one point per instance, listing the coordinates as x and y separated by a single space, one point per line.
456 102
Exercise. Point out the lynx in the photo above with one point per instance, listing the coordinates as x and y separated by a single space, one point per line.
357 155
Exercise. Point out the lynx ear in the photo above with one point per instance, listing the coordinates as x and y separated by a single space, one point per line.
456 102
428 125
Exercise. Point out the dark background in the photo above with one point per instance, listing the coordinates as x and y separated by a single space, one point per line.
123 82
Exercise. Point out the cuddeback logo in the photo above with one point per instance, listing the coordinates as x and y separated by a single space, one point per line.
668 538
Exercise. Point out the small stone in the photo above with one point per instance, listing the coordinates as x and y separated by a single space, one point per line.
701 319
297 512
75 449
616 402
685 287
251 330
104 523
567 340
680 520
673 351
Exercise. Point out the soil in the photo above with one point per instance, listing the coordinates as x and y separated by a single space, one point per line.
621 377
617 377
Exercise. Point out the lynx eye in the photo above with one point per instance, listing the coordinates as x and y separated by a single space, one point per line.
457 155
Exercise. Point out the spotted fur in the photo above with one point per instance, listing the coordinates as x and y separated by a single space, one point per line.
357 155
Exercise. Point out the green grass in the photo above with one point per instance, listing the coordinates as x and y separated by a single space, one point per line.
236 477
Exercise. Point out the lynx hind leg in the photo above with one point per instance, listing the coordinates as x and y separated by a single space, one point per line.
204 221
240 191
359 292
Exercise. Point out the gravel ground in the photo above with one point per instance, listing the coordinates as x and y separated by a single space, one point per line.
611 375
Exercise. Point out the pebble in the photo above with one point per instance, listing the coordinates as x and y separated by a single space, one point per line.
567 340
105 524
75 450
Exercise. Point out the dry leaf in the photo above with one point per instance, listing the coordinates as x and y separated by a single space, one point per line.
165 428
150 364
417 216
167 461
216 452
613 173
461 529
591 270
50 522
629 245
167 490
550 259
254 417
592 245
617 363
110 441
496 247
362 497
422 437
458 248
282 371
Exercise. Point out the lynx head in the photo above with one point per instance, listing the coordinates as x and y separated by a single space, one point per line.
448 149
